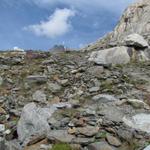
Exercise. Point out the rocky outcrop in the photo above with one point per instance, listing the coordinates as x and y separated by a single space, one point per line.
135 19
118 55
136 40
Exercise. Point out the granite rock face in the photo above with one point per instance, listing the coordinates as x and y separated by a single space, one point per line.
135 19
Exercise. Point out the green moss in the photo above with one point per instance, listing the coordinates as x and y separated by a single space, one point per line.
107 85
101 134
61 146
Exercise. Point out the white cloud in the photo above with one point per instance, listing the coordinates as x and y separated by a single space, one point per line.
57 24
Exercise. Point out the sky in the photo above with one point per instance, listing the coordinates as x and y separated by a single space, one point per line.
40 24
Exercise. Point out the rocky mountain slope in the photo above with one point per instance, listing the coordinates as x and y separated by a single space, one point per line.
49 101
135 19
75 100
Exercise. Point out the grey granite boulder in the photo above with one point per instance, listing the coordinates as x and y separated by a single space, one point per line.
139 122
33 121
135 40
116 55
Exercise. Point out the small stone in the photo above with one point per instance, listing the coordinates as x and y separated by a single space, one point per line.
96 71
99 146
79 92
94 89
45 147
37 79
50 69
64 82
113 140
71 124
88 131
104 98
120 102
47 62
90 112
72 130
2 111
39 96
1 80
54 87
2 127
7 132
74 71
79 122
82 141
2 99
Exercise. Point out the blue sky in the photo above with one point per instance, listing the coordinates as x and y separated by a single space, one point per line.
40 24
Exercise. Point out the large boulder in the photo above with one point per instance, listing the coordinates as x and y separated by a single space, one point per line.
116 55
136 40
139 122
147 148
33 121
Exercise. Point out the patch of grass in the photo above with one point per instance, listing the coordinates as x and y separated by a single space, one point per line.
61 146
107 85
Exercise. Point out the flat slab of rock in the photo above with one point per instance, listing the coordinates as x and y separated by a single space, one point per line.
116 55
60 135
104 98
113 140
88 131
112 113
100 146
136 40
139 122
37 79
